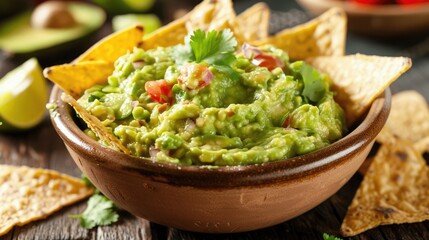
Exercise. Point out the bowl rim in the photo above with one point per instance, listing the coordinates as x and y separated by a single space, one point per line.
295 168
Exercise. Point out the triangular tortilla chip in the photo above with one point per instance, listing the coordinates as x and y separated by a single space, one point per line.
28 194
75 78
214 15
394 190
113 46
175 32
359 79
201 16
408 119
208 15
169 35
254 22
95 125
322 36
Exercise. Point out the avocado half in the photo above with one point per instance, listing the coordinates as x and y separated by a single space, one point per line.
19 39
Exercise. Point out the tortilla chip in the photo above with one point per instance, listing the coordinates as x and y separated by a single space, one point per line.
28 194
422 145
359 79
169 35
211 15
394 190
208 15
408 119
95 125
201 16
322 36
254 22
175 32
75 78
214 15
113 46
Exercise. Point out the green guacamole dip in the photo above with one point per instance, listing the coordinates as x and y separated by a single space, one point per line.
234 107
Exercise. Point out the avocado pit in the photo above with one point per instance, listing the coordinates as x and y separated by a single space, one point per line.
52 14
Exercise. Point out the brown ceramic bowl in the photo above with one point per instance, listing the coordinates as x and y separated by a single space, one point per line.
224 199
377 20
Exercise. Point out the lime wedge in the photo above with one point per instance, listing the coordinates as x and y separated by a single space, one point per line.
150 22
23 96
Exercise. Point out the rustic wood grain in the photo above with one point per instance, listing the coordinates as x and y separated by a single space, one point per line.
128 228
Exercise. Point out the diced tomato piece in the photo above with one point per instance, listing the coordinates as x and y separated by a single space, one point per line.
159 90
270 62
287 122
194 75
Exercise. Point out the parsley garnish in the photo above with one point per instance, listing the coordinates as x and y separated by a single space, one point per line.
215 48
330 237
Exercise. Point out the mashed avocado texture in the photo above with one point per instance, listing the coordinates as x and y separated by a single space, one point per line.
209 102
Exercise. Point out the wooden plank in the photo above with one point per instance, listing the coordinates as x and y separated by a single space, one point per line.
57 226
128 228
30 148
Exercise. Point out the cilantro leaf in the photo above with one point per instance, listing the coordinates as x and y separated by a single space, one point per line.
87 182
100 211
314 86
330 237
213 46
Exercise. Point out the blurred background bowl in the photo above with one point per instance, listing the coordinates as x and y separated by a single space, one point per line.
389 20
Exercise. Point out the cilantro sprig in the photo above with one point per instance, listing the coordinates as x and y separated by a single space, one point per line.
100 210
214 47
314 87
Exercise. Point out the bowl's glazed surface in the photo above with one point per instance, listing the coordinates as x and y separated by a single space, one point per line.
223 199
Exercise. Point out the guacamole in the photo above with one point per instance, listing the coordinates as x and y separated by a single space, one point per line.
210 102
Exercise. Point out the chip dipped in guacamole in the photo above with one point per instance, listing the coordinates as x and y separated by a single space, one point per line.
211 102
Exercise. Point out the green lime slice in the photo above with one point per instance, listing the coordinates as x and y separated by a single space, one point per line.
150 22
23 96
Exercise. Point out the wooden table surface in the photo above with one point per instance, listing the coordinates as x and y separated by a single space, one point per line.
41 147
